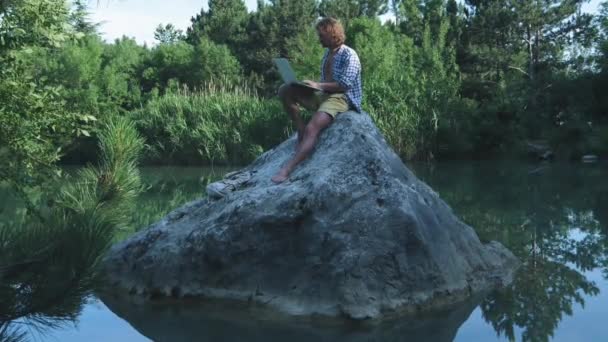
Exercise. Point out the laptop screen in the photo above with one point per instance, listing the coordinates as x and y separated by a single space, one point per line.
285 70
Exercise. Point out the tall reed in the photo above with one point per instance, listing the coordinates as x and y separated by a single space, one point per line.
219 123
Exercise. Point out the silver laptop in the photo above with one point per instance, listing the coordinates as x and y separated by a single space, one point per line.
289 77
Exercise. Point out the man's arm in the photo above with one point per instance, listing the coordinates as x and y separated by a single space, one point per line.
344 77
328 87
347 75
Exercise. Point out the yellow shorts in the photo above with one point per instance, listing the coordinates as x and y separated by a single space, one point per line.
330 103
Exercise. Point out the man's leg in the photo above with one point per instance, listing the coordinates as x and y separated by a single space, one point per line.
319 121
290 98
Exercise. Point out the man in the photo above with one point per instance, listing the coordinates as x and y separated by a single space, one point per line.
341 91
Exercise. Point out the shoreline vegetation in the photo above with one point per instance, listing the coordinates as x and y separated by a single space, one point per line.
453 81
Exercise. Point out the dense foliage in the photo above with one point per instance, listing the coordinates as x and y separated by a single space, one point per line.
442 79
213 124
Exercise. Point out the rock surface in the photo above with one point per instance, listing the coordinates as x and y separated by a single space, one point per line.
352 233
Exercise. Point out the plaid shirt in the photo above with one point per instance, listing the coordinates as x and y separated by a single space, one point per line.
346 71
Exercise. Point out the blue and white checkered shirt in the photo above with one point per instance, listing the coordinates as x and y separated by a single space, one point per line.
346 71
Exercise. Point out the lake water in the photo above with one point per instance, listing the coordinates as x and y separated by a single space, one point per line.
554 217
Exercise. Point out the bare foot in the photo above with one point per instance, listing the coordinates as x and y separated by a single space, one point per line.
280 177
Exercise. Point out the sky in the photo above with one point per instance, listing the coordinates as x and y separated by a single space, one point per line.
139 18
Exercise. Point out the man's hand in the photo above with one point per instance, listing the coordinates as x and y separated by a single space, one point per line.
313 84
327 87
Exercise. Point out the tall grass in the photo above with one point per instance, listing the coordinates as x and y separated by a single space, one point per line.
217 124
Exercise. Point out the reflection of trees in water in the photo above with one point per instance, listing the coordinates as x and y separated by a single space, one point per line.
47 270
600 208
165 191
7 334
550 280
542 292
554 221
160 199
225 320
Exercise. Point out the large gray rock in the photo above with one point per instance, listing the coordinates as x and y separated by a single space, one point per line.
353 232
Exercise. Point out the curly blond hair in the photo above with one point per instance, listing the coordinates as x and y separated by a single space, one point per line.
334 26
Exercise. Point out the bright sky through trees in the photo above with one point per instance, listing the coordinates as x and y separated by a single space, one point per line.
139 18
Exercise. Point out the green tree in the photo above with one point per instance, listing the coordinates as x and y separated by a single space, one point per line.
602 47
410 19
521 36
434 13
213 61
292 17
180 63
95 77
456 19
545 30
34 125
307 54
120 73
79 18
271 31
350 9
408 89
345 10
224 23
453 13
33 23
262 42
168 34
492 41
76 68
164 63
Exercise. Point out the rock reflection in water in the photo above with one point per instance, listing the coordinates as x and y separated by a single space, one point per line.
225 321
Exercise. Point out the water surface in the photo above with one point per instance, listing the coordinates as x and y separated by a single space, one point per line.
554 217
